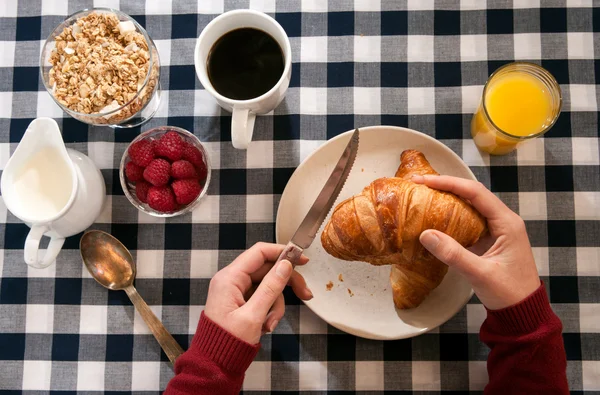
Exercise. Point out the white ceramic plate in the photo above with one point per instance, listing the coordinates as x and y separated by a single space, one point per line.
370 312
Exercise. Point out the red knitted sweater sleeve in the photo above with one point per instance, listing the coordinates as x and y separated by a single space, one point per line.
527 352
215 363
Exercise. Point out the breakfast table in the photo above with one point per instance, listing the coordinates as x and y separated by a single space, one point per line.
415 64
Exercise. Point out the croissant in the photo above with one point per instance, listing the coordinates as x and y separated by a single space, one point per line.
382 225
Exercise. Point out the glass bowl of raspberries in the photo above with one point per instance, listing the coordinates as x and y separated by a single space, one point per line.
165 171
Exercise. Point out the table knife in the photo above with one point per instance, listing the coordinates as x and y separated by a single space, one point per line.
306 232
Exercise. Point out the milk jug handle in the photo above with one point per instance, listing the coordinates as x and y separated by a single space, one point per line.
32 245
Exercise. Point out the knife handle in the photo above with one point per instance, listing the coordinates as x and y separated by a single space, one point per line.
292 253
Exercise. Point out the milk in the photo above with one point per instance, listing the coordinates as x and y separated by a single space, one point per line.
44 183
58 192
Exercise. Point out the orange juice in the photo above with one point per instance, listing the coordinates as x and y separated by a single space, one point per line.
520 101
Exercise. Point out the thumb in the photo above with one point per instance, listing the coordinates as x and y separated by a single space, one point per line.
270 288
449 251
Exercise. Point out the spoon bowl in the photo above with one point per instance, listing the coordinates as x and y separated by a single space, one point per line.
107 260
113 267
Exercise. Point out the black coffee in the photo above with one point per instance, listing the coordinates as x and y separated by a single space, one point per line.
245 63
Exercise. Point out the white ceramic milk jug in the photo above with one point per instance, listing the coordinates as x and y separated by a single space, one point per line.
58 192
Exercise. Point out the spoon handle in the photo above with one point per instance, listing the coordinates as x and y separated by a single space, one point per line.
169 345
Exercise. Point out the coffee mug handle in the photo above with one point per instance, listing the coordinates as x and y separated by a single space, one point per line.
32 245
242 127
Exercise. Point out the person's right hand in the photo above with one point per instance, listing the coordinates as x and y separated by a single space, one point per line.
506 273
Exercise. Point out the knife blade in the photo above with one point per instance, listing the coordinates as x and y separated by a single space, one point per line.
307 231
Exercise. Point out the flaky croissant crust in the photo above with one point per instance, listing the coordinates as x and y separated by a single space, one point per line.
382 225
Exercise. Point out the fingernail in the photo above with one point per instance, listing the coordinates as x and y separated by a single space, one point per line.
284 269
429 240
418 179
310 293
273 326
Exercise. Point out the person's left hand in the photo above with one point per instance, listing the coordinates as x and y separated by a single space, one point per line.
231 303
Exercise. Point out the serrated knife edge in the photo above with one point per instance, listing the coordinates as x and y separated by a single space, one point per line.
323 204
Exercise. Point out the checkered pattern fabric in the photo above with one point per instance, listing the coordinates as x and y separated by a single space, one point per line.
418 63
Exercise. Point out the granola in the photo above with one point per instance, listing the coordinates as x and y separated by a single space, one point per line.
100 64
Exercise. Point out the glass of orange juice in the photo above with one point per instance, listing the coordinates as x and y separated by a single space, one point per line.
520 101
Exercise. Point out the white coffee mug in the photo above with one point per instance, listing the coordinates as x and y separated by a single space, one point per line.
244 111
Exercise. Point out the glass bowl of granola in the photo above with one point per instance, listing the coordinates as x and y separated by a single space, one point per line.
101 67
165 171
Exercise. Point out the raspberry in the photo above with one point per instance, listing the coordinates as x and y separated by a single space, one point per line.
170 146
183 169
192 155
195 157
186 191
161 199
133 172
202 172
141 190
142 152
158 172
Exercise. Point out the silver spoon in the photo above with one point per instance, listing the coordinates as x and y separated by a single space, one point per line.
111 264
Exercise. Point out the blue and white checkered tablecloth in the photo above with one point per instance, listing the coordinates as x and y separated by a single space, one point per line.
420 64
